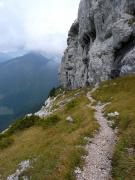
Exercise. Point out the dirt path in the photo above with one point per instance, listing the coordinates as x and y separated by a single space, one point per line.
100 149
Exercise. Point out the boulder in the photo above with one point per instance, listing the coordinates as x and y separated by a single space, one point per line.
113 114
70 119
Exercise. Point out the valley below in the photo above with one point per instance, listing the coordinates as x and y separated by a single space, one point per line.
25 83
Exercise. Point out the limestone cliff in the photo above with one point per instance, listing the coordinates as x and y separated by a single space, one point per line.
101 43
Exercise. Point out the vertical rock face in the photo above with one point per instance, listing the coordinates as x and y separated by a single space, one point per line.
101 43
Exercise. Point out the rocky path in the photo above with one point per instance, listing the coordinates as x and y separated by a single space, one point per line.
100 149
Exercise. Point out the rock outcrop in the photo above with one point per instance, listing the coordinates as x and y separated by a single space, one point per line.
101 43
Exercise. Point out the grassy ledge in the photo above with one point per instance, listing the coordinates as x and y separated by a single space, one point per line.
121 94
53 145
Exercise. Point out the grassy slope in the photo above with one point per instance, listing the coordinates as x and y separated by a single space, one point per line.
54 151
121 94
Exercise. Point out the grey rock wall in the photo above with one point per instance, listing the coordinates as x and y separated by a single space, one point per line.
101 43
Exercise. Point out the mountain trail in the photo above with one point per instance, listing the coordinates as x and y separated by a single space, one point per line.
100 148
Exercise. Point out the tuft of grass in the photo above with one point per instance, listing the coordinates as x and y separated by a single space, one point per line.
22 124
6 142
53 92
71 104
56 149
49 121
131 21
121 93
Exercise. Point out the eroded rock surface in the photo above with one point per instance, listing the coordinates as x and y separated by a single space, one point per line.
22 167
101 43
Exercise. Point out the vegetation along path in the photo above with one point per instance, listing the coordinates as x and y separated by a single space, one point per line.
100 148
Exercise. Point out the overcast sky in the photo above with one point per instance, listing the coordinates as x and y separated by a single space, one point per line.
36 24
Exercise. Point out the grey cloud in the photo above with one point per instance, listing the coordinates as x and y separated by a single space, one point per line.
36 25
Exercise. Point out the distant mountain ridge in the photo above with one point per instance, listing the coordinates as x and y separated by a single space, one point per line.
4 57
25 82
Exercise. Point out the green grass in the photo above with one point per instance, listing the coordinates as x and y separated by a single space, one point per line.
121 94
71 104
6 142
55 91
53 145
48 122
22 124
25 123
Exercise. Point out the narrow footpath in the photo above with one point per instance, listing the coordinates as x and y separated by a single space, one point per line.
100 148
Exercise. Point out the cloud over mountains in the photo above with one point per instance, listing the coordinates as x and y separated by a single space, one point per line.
36 25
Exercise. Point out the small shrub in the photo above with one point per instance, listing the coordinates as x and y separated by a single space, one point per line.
50 121
28 122
52 92
2 136
71 104
22 124
5 142
55 91
131 21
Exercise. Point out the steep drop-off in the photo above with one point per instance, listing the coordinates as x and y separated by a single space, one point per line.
101 43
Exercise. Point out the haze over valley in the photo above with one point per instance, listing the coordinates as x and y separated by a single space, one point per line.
32 40
25 83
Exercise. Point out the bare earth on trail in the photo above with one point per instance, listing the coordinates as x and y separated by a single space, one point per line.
100 149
